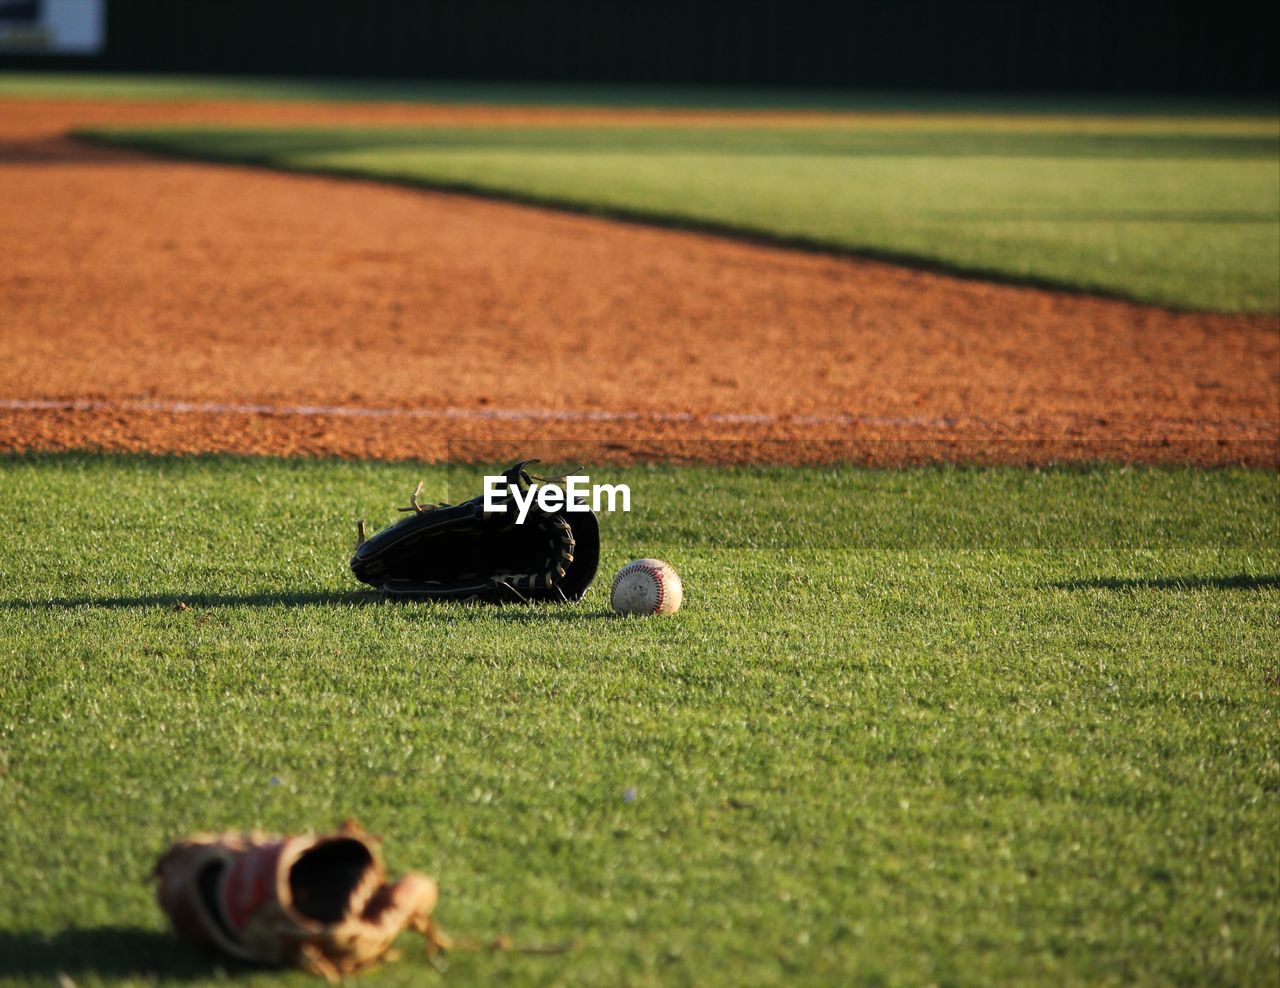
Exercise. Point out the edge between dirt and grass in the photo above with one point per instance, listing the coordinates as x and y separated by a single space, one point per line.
1170 254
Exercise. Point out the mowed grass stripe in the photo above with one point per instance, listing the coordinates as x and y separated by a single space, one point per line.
128 87
1178 212
964 725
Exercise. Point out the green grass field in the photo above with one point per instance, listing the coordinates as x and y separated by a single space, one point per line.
952 726
167 86
1182 211
932 726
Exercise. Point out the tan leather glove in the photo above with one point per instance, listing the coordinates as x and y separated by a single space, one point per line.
317 902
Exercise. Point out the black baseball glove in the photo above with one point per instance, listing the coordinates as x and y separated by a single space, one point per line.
460 552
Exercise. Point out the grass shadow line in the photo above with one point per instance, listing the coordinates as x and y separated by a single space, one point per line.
180 601
106 952
1240 581
352 598
537 614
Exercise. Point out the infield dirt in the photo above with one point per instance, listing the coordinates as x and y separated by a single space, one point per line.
154 305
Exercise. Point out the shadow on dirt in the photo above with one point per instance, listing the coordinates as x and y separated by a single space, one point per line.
63 150
105 951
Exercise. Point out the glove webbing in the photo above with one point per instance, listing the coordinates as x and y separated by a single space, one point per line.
561 543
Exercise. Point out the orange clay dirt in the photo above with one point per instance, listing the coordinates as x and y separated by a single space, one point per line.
171 306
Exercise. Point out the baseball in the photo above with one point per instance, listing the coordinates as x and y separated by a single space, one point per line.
647 586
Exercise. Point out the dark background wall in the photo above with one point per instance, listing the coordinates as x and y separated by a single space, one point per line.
1081 46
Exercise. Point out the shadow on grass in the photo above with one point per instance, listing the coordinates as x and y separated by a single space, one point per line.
175 601
537 612
1240 581
105 951
542 613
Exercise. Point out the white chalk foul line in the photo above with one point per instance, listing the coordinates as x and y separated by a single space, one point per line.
454 414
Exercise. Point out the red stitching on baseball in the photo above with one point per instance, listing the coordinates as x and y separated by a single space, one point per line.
659 584
654 573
